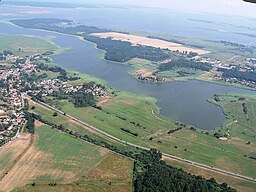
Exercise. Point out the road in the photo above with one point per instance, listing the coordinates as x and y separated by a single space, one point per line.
217 170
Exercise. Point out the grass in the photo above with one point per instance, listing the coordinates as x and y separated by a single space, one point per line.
240 125
67 153
174 74
45 113
186 143
28 45
77 164
118 113
5 158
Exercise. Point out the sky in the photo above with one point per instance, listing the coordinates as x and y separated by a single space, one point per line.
224 7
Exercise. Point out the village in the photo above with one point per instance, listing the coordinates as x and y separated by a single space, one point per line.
15 81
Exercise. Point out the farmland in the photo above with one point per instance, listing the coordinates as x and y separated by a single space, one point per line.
58 158
198 145
190 144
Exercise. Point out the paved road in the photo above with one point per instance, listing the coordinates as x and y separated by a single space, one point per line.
217 170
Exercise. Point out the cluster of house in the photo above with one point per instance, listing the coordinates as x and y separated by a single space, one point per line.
46 86
152 79
12 117
235 80
250 66
12 82
49 86
11 114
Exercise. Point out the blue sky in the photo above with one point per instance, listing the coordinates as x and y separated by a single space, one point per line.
226 7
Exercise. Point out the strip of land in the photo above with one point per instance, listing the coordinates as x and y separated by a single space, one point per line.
145 41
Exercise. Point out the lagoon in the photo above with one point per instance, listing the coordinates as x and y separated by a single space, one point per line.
182 101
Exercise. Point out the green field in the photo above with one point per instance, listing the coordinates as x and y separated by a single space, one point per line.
194 145
76 165
46 113
27 45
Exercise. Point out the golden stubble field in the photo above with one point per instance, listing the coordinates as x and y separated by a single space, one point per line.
145 41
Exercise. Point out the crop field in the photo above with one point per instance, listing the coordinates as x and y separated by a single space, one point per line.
26 45
58 158
198 146
46 113
10 152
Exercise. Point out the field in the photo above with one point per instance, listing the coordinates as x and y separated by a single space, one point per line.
72 164
198 146
11 152
217 50
145 41
26 45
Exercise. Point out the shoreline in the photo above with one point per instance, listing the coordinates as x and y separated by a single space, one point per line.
102 57
125 63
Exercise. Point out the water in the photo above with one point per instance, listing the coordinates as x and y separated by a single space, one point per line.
183 101
235 29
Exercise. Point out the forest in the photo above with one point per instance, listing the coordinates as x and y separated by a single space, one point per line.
81 99
235 73
158 176
185 63
121 51
52 25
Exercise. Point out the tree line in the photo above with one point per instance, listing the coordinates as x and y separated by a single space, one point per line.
185 63
235 73
52 25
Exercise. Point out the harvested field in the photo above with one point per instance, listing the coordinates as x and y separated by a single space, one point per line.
56 157
10 152
145 41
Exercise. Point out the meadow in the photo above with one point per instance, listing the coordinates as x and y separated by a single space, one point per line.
27 45
128 111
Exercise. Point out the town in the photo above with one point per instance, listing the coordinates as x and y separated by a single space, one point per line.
21 76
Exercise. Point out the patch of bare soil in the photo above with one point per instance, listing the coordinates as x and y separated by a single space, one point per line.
32 164
145 41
